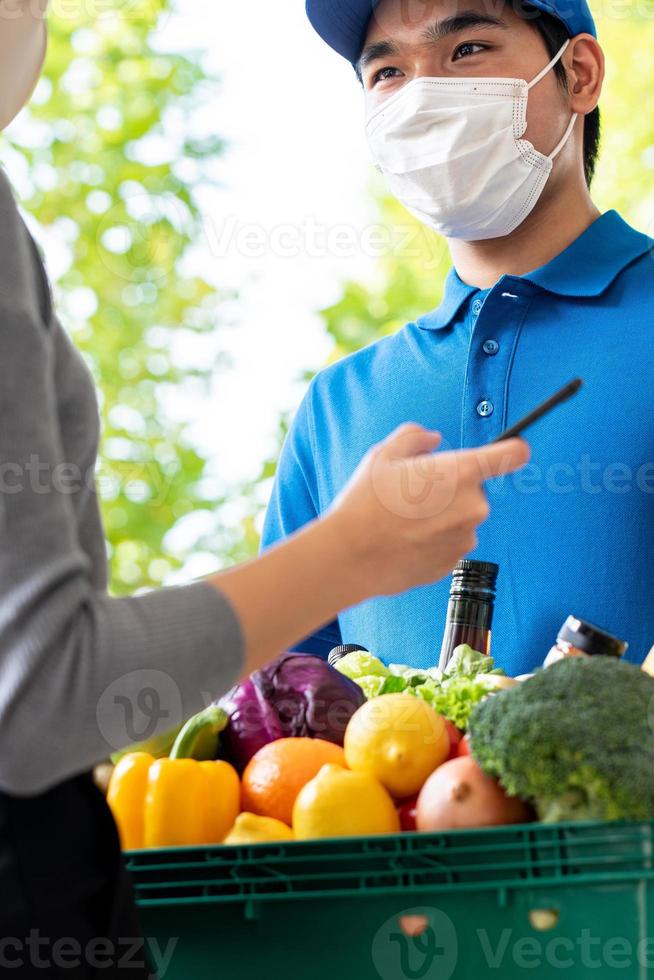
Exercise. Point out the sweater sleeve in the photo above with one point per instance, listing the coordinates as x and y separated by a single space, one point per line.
81 674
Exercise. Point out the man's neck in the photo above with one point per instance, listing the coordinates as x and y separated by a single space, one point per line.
554 225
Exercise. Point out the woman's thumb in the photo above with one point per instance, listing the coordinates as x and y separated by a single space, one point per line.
411 440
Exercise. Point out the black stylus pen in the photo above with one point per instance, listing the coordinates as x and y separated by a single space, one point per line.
561 396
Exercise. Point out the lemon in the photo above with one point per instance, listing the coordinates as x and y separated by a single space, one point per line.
252 829
340 803
399 739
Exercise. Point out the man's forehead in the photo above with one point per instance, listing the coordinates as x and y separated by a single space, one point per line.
404 19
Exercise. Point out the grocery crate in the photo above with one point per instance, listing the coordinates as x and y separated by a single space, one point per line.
541 901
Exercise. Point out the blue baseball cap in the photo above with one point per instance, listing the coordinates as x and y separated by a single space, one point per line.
343 24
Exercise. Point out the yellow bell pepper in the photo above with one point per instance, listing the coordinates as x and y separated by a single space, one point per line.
172 802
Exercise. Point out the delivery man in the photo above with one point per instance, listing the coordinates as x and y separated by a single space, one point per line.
484 121
72 659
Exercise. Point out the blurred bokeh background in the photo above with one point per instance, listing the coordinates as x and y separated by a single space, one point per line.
197 176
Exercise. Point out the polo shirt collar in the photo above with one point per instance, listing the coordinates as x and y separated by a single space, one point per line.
587 267
456 293
594 260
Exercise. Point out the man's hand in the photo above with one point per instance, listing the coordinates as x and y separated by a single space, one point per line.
409 515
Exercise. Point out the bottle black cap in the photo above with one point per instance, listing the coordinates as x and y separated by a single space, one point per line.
339 652
591 639
474 577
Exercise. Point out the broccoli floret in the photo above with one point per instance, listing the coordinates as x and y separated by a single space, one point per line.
576 740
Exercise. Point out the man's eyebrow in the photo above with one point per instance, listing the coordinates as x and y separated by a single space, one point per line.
436 32
461 22
380 49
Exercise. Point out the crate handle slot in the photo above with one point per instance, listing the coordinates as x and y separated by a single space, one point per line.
543 920
413 925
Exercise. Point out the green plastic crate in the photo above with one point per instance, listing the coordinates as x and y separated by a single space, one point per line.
541 901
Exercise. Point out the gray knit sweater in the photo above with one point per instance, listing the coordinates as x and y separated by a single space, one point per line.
81 674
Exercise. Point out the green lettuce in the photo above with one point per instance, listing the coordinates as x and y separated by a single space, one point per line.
372 686
452 692
455 698
360 664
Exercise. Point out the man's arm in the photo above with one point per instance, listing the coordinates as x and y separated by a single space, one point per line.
294 502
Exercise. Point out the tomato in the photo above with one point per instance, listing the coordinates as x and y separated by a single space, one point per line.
464 746
407 813
455 736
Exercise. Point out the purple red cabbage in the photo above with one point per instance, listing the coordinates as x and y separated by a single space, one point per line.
296 695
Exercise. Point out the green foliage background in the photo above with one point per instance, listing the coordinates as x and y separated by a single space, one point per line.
129 216
98 177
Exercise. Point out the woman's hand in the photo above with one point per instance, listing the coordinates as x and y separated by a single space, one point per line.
408 515
405 518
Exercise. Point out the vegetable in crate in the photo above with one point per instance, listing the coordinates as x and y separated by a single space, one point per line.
576 740
469 677
366 670
172 802
158 747
177 800
459 796
297 694
407 812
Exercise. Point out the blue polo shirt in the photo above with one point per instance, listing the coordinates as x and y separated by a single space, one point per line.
573 533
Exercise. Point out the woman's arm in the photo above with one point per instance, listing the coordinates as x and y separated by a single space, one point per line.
81 674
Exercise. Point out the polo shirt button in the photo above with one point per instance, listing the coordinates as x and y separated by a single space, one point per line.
476 307
485 408
491 347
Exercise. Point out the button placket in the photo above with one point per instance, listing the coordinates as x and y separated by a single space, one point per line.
489 360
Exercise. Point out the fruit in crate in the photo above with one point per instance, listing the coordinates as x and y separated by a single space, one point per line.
251 828
342 803
398 739
276 774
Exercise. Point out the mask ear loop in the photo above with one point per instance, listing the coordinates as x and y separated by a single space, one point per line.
543 73
575 115
566 136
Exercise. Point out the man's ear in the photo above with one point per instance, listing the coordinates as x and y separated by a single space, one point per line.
586 67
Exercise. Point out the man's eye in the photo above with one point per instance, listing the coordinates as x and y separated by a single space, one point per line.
383 74
466 49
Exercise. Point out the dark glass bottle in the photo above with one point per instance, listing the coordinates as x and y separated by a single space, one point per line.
470 610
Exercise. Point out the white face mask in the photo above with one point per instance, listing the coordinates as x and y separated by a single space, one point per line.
452 152
22 51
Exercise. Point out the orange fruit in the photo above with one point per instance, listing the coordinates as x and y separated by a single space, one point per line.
276 773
